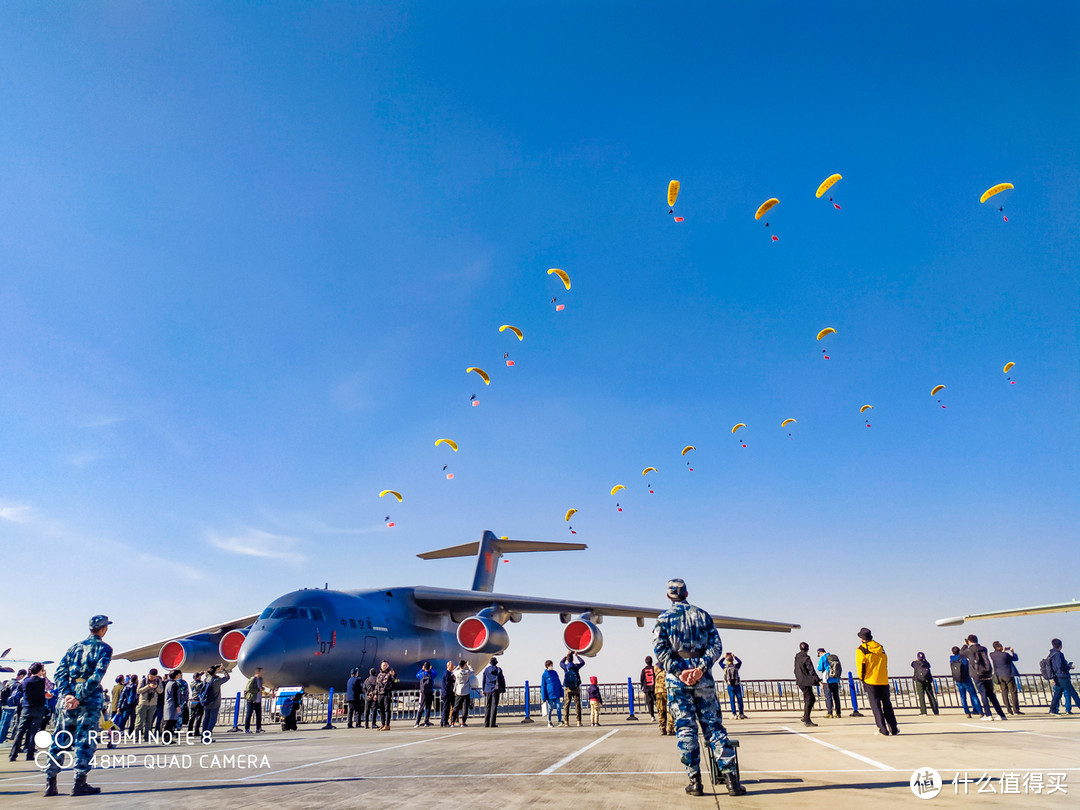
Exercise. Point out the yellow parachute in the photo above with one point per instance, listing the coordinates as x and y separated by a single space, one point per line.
569 513
787 422
765 206
672 193
828 330
866 408
513 329
990 192
1008 365
391 492
616 488
555 271
688 448
450 442
827 183
935 389
648 470
483 374
740 425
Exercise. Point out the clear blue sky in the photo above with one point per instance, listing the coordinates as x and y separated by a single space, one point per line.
247 252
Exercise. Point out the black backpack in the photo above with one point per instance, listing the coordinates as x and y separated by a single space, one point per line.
922 672
959 666
1046 670
984 670
835 668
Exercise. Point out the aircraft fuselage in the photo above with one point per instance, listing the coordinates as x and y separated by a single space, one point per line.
314 638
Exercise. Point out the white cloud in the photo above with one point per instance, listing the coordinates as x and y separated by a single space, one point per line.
257 543
188 572
16 512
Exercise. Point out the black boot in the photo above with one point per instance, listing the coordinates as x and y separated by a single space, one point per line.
695 788
50 786
734 786
83 789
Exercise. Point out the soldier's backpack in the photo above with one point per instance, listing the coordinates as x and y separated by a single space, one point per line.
833 662
1046 670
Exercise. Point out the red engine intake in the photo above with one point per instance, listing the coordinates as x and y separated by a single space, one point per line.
479 634
189 654
583 637
231 642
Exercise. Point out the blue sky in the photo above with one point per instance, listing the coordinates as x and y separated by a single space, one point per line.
248 252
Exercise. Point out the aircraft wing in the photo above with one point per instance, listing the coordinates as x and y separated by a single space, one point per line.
469 602
1058 607
152 650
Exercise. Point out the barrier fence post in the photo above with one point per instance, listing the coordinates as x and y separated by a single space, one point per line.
630 695
527 718
236 715
329 712
854 702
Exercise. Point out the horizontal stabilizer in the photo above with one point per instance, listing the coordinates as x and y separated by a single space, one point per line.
500 546
487 553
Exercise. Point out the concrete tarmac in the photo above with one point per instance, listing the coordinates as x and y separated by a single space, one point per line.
840 763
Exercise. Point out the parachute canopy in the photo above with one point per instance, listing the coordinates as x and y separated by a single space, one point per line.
452 444
672 193
616 488
569 514
648 470
787 422
828 330
740 425
555 271
483 374
687 449
990 192
866 408
1008 365
935 389
513 329
765 206
827 183
391 492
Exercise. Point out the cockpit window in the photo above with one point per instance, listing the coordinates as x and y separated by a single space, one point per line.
266 614
303 613
317 615
285 613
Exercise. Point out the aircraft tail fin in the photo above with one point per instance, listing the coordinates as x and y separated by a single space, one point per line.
487 552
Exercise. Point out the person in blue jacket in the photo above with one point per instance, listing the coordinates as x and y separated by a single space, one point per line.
426 677
551 693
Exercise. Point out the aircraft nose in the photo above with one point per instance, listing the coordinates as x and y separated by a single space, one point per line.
262 648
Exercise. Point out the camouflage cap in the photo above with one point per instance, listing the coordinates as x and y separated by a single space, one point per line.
676 589
99 621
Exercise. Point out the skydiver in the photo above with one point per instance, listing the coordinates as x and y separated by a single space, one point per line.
472 397
444 467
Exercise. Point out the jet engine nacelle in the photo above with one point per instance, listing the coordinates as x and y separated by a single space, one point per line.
583 637
191 654
480 634
230 644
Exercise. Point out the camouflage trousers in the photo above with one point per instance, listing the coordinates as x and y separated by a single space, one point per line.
663 714
692 705
74 727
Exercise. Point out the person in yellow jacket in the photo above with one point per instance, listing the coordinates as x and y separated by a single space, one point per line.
872 664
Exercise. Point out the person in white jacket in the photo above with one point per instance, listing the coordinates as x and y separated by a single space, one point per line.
463 675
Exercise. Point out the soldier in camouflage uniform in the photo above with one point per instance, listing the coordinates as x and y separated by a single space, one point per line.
663 713
78 708
687 645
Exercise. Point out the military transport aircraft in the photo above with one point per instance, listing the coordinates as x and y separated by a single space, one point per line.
314 637
1057 607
